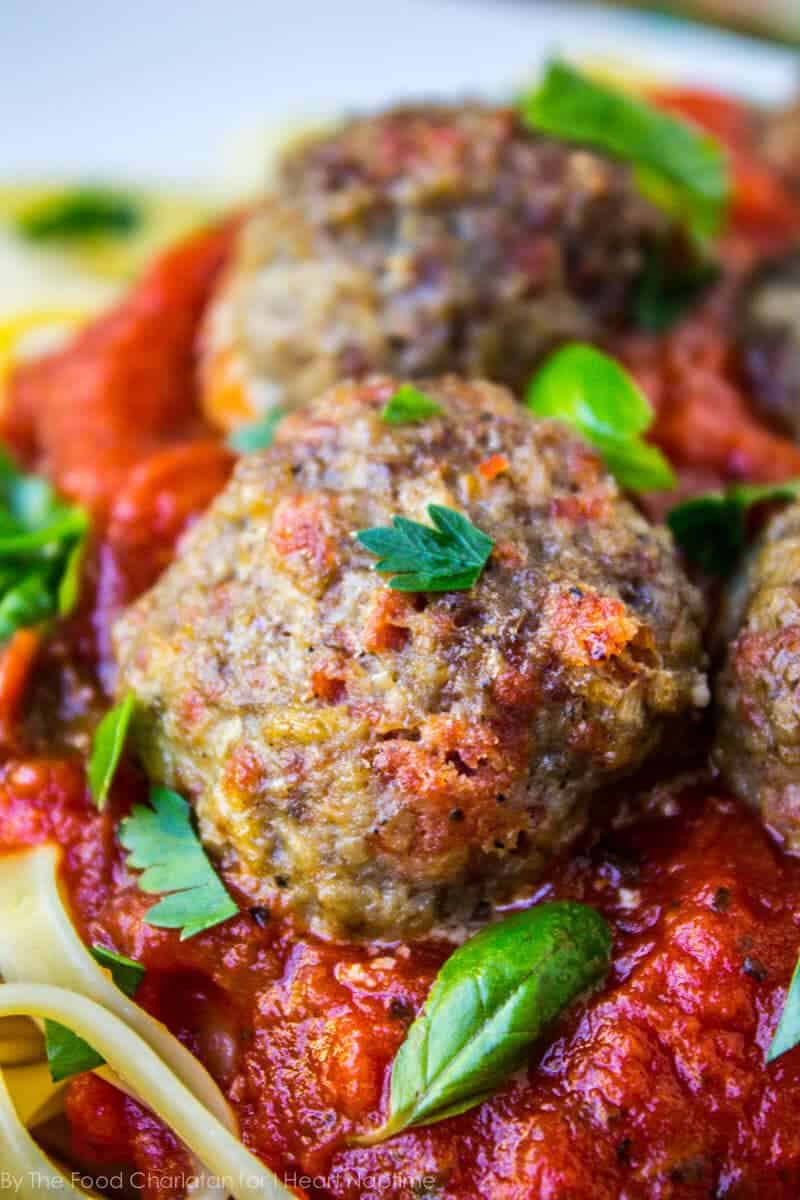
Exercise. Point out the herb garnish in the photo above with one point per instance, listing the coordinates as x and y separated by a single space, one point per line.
447 558
712 529
492 999
787 1035
41 548
665 292
257 436
68 1054
77 213
678 166
409 405
161 840
591 392
107 747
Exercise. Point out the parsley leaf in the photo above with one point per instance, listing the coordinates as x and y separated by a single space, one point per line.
712 529
591 392
491 1001
80 213
447 558
162 841
787 1035
409 405
41 550
107 747
257 436
682 168
68 1054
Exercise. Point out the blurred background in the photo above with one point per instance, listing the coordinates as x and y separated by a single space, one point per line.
182 103
778 19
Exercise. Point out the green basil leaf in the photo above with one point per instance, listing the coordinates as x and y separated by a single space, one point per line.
449 556
126 972
491 1001
107 747
79 213
679 166
787 1035
26 603
68 1054
635 464
258 436
712 529
69 587
409 405
588 390
69 523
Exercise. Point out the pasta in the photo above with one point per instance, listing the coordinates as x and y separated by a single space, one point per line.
49 974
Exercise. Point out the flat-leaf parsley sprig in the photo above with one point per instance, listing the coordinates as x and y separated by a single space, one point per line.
408 406
41 541
445 557
161 842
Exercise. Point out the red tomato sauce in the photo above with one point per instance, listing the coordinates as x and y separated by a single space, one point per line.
653 1089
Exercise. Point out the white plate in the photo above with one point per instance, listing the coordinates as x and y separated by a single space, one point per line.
155 89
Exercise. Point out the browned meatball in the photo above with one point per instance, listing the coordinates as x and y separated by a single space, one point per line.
758 738
425 240
384 761
769 340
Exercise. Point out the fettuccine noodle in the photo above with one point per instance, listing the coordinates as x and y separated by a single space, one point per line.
50 974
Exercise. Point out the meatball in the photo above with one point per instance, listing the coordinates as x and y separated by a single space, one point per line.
769 341
757 745
380 763
420 241
779 141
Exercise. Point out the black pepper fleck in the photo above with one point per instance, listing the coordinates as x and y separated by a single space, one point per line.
261 915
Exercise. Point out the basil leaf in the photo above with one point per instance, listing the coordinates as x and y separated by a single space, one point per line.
682 168
586 389
712 529
80 213
25 603
69 589
107 747
126 972
491 1001
258 436
409 405
787 1035
67 1053
448 557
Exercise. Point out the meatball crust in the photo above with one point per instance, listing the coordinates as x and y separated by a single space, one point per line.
757 745
381 763
769 340
419 241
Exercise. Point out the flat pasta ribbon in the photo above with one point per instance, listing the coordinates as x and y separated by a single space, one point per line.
50 975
